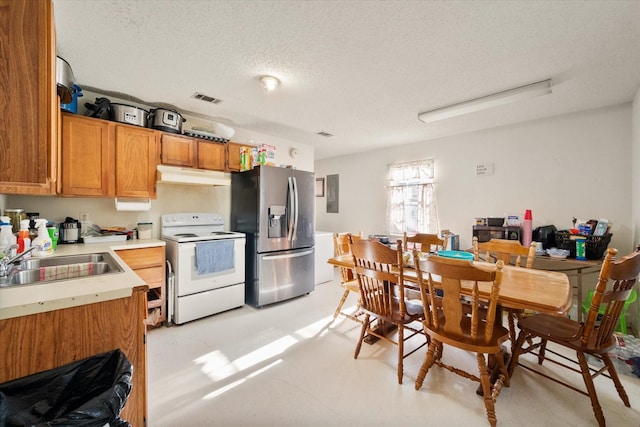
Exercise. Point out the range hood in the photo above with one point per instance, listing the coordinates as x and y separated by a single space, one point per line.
178 175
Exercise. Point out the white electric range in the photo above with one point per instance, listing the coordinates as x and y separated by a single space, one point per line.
207 264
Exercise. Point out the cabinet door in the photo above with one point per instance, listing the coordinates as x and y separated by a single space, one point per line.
211 155
136 161
178 151
28 129
233 156
87 156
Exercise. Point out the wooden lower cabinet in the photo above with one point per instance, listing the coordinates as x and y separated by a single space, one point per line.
42 341
149 264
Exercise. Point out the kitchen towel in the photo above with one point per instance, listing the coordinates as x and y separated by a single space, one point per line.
66 271
215 256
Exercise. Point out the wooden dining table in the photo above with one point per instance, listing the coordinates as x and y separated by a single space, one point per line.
522 288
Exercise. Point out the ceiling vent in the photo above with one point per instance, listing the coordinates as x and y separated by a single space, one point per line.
206 98
325 134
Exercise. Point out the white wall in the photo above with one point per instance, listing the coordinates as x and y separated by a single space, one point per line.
635 194
573 165
634 310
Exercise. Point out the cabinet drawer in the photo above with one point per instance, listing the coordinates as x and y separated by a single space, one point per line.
153 276
143 258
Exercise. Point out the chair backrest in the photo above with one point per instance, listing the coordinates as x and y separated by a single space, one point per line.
511 252
342 246
617 279
445 314
427 243
343 241
380 277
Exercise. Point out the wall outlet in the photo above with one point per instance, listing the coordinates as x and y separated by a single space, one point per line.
84 216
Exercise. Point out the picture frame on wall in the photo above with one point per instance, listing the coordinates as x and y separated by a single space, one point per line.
319 187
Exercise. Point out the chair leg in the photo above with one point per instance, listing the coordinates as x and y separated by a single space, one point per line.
543 349
428 362
588 382
512 328
616 380
516 352
363 331
341 303
400 352
486 389
502 369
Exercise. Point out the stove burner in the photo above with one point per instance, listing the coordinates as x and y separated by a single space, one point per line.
221 232
186 235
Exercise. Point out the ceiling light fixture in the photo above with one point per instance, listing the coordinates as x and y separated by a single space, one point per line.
485 102
269 83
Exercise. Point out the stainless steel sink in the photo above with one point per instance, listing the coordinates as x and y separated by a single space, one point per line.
45 270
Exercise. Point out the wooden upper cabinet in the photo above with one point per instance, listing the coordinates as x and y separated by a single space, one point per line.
178 150
233 156
29 113
136 161
106 159
211 155
88 157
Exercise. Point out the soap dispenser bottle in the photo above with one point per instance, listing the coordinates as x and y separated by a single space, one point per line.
44 246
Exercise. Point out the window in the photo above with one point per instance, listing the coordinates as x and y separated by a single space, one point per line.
411 198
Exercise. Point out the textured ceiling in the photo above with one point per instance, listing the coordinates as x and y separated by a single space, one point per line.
360 70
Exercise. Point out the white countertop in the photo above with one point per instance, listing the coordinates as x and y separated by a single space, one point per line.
36 298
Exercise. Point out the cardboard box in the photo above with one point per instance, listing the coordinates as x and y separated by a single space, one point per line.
267 155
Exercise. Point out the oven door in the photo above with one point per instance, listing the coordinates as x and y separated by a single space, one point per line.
188 281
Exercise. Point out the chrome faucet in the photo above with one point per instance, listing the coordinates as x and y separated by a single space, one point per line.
8 259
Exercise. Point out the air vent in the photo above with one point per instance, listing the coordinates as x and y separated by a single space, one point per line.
206 98
325 134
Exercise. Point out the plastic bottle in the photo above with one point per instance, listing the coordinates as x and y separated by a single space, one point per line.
24 241
43 241
7 237
580 247
527 228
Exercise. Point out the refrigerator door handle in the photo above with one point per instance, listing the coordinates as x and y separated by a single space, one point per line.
296 209
291 212
296 255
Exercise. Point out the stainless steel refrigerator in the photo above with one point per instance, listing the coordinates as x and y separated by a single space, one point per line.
275 208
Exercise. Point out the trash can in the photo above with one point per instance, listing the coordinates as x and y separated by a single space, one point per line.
89 392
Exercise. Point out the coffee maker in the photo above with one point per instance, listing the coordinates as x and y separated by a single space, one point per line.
70 231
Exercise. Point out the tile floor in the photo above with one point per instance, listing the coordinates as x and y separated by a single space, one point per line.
290 364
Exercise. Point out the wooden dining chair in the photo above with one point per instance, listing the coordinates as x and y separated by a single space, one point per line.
426 243
380 274
342 246
447 323
511 252
594 337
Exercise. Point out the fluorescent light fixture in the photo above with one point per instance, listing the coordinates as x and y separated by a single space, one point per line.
486 102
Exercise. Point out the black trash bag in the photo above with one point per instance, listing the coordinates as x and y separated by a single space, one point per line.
89 392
